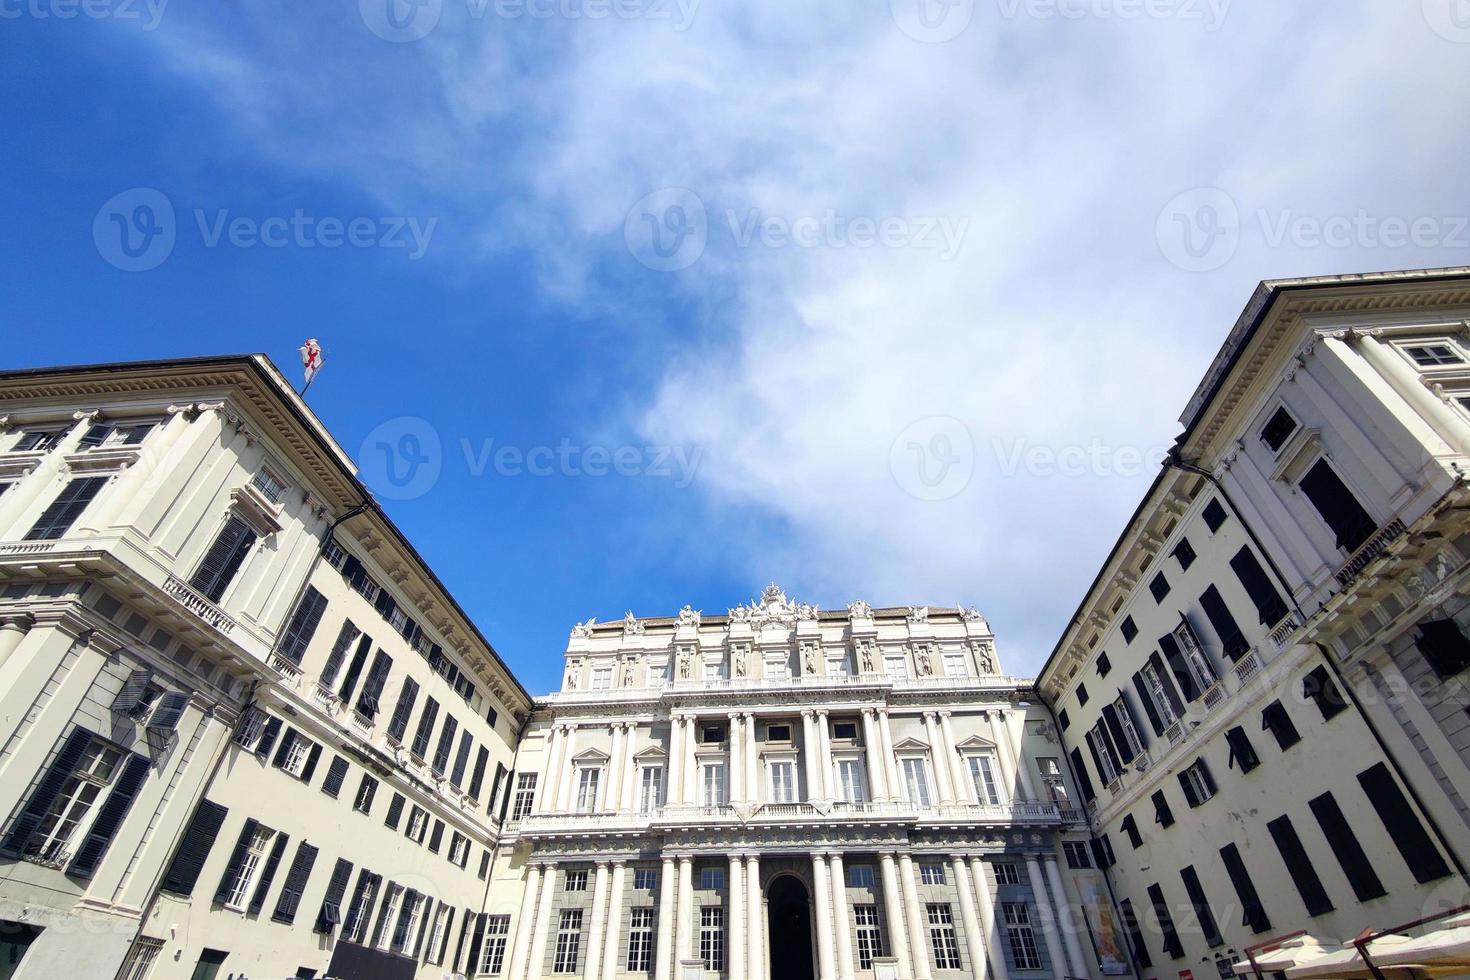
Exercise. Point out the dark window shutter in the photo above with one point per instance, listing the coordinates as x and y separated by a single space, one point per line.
1115 729
1201 905
367 882
132 692
1171 694
398 725
1135 935
1254 912
110 816
477 778
1179 667
1299 866
336 773
223 559
194 849
1345 847
1242 753
268 874
345 636
476 941
47 788
63 512
446 743
354 669
285 749
426 926
170 709
372 688
495 784
237 857
1163 816
1232 640
1270 607
331 910
395 811
381 921
400 928
462 758
295 884
268 738
1079 772
95 435
436 836
426 728
1129 826
1444 646
366 792
1127 702
1172 946
1214 515
464 931
1402 824
1186 784
1320 687
1154 721
303 625
1338 507
309 766
1275 719
1203 768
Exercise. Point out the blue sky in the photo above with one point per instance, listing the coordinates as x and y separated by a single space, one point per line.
891 300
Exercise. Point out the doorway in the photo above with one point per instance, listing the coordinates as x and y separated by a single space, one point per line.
789 918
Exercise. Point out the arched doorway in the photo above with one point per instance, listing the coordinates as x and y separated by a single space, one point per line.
789 918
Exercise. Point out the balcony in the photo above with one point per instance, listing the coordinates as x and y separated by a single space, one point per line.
1281 635
290 673
1371 549
757 815
326 699
197 604
1247 667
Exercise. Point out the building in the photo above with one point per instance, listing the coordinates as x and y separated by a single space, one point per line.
238 710
792 793
1262 694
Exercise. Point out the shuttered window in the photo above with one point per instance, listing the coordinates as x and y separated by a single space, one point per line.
477 779
395 811
425 728
1214 515
338 654
1163 816
1135 935
1179 667
223 559
336 773
1084 781
1222 621
1299 866
461 759
268 875
47 789
1444 645
1338 506
372 688
1270 607
1172 946
1322 689
330 913
1203 915
1254 912
110 817
1345 847
446 744
403 710
132 695
1402 824
303 625
1242 753
1129 826
1197 783
194 849
166 714
1275 720
354 668
63 512
295 884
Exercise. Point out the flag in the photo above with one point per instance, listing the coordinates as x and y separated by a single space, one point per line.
311 359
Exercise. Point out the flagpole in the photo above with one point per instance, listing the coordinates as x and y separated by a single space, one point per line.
305 388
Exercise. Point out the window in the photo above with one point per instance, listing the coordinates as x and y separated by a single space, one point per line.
1198 786
446 744
931 874
1201 670
1200 906
845 731
1129 826
1275 719
711 879
1320 688
568 940
1172 946
484 873
1082 696
869 936
270 486
1104 665
640 941
492 954
388 915
1119 717
838 667
418 824
1006 873
1245 889
63 512
602 678
1104 754
714 670
712 937
1084 781
1299 866
1232 640
778 667
651 789
713 781
1433 355
459 849
1020 936
223 559
1129 629
403 710
207 967
87 765
525 796
331 910
425 730
658 673
1102 851
1184 554
1160 691
645 879
851 780
916 778
1135 934
293 752
982 777
141 959
778 733
1347 849
1077 854
303 625
712 734
1159 587
1278 429
955 665
1163 816
255 843
360 912
290 897
1242 753
366 790
1443 645
860 876
575 881
897 668
1338 506
783 782
1408 834
38 440
439 934
942 938
1214 515
1063 719
395 811
588 780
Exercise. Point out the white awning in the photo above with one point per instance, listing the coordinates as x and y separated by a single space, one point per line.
1288 953
1445 950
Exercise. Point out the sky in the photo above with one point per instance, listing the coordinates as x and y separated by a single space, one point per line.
628 304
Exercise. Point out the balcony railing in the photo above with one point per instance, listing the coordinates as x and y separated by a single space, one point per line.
1247 666
325 698
1281 635
289 671
1030 812
361 724
1370 550
1175 733
199 605
27 547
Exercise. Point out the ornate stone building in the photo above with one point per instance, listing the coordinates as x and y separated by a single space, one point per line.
786 792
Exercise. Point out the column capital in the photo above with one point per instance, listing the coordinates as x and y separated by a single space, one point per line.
735 716
20 620
946 713
870 712
807 713
603 862
930 716
822 712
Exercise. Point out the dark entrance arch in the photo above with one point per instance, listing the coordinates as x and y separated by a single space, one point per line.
788 911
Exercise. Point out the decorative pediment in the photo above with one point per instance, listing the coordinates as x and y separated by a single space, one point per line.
591 756
911 745
975 742
651 754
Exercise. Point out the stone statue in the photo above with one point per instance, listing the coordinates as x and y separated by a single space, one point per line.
584 629
866 653
740 661
922 656
631 625
860 610
809 660
574 670
688 616
918 614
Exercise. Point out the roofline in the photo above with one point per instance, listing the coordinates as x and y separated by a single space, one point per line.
266 371
1263 300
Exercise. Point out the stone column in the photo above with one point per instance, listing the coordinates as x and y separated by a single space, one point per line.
914 913
1046 912
755 913
551 777
937 757
525 923
684 931
613 800
592 969
964 789
898 932
988 922
823 902
13 629
737 917
751 758
973 936
613 942
824 750
1066 922
664 954
1003 757
565 772
841 925
737 769
630 769
890 761
809 756
675 792
692 789
534 967
872 746
1439 418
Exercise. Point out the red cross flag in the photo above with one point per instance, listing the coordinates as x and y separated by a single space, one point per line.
311 359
